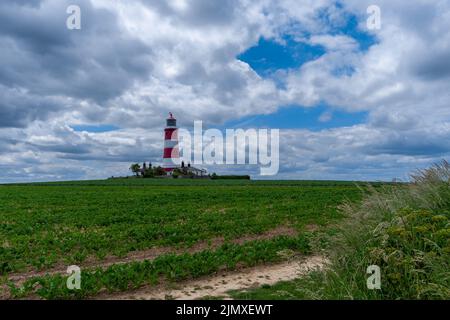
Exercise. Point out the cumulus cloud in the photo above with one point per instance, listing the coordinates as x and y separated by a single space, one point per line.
134 61
42 57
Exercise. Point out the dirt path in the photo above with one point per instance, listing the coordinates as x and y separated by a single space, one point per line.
153 253
220 284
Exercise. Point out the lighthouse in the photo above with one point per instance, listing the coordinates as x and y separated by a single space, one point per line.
171 156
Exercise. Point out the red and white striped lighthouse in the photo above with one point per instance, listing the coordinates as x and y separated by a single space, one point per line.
171 157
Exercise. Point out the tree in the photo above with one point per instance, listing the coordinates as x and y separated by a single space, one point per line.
135 168
159 171
149 173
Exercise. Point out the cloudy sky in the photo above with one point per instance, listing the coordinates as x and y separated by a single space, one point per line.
350 102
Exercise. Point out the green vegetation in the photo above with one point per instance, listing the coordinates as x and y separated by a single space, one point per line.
214 176
405 231
135 168
147 171
403 228
118 182
122 277
67 223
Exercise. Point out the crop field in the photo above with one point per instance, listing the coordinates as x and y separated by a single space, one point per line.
130 233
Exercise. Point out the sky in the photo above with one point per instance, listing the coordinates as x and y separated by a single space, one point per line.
351 102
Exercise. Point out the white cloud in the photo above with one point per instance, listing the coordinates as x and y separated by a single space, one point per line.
134 61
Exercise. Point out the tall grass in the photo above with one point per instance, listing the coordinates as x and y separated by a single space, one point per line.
403 229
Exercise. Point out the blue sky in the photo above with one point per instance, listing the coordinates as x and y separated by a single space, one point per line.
350 103
95 128
270 56
296 117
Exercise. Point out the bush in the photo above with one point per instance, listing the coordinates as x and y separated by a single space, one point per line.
230 177
149 173
403 229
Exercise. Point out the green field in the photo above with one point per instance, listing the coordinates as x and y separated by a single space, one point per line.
128 235
46 226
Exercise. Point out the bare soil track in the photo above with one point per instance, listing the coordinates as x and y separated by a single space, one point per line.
217 285
152 253
220 284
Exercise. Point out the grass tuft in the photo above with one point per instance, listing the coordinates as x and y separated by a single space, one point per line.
404 229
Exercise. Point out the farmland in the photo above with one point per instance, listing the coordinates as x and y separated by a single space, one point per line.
130 233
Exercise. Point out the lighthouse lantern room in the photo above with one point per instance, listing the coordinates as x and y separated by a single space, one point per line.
171 156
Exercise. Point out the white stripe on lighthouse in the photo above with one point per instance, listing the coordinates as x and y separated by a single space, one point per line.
170 162
170 144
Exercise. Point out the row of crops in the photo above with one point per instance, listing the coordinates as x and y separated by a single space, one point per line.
47 225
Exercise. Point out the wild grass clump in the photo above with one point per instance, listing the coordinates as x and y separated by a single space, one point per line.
405 230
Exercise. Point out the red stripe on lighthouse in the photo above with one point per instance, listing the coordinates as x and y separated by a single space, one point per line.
171 134
171 153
